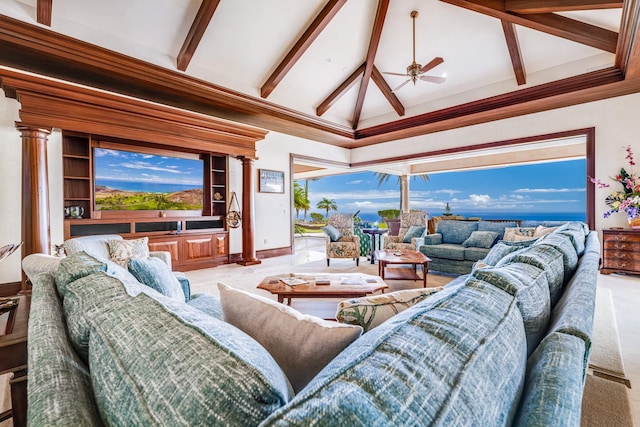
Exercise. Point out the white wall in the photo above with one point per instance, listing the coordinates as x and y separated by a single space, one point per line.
615 121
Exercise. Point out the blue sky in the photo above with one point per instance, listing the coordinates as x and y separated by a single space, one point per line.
126 166
558 187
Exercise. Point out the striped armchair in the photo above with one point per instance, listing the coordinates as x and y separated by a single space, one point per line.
407 219
348 244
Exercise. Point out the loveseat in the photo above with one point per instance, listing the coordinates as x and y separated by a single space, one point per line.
507 344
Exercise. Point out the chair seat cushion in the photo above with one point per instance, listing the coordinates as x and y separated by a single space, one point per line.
448 251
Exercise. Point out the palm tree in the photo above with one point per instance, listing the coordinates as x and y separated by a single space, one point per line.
384 177
327 204
300 200
306 195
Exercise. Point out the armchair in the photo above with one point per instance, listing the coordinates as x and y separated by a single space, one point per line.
418 219
344 244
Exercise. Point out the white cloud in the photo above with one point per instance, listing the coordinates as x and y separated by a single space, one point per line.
549 190
354 182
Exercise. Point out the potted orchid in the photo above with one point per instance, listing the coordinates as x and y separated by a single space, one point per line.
627 200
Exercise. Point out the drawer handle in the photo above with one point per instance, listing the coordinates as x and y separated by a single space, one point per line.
620 246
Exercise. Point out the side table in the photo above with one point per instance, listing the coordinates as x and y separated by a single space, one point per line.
374 232
13 358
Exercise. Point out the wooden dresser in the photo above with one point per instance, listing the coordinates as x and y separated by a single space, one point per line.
620 251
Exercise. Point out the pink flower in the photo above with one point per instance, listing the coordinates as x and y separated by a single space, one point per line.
599 183
630 155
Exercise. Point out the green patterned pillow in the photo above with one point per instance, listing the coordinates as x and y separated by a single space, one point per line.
332 232
481 239
74 267
372 311
154 273
414 231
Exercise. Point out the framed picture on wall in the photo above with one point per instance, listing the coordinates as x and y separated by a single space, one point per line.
270 181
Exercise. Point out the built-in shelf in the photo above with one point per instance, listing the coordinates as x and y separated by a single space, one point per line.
77 172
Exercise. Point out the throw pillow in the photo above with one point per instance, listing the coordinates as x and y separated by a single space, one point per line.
481 239
413 231
517 234
121 251
542 231
74 267
372 311
301 344
332 232
154 273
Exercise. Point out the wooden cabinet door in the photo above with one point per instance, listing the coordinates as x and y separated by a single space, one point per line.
222 245
170 244
198 248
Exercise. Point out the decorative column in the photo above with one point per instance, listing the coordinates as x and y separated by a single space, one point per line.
36 232
248 188
404 193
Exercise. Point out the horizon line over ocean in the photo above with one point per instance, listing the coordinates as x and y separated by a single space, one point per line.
536 216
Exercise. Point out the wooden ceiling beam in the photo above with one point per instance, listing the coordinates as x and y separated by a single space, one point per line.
341 90
386 90
628 52
198 27
299 48
513 45
549 23
548 6
381 13
43 12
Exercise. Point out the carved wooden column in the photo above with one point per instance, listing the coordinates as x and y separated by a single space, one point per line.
248 188
36 232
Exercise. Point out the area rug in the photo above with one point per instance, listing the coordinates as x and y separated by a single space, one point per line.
248 277
605 403
606 355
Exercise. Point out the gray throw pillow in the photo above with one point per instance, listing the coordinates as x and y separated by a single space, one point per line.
332 232
154 273
481 239
414 231
301 344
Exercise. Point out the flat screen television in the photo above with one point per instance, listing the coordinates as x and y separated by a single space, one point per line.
130 180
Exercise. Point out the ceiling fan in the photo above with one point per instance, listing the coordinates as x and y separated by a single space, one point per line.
416 71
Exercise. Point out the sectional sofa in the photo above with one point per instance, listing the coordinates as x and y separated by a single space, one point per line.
507 344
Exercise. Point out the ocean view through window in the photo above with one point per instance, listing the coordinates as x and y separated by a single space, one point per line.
541 191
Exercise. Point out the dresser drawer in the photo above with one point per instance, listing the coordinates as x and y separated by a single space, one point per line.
620 251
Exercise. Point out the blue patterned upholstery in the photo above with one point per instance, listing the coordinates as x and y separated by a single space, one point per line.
75 266
497 226
528 284
455 231
546 258
428 365
563 244
552 394
157 275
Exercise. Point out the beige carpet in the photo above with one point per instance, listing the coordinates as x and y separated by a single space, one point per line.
605 403
606 356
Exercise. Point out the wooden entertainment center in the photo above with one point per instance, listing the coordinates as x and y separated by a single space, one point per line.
194 239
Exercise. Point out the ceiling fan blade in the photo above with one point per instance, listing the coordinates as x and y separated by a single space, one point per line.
433 79
399 87
395 74
432 64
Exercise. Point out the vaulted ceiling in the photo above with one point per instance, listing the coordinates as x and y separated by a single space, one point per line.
316 68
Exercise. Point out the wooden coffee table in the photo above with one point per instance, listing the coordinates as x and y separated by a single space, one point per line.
405 257
336 288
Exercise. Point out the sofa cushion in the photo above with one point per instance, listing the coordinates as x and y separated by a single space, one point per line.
452 359
52 360
372 311
148 367
475 254
529 285
499 251
413 232
576 232
546 258
74 267
154 273
301 344
554 385
448 251
121 251
332 232
517 234
455 231
563 244
481 239
95 245
209 304
496 226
